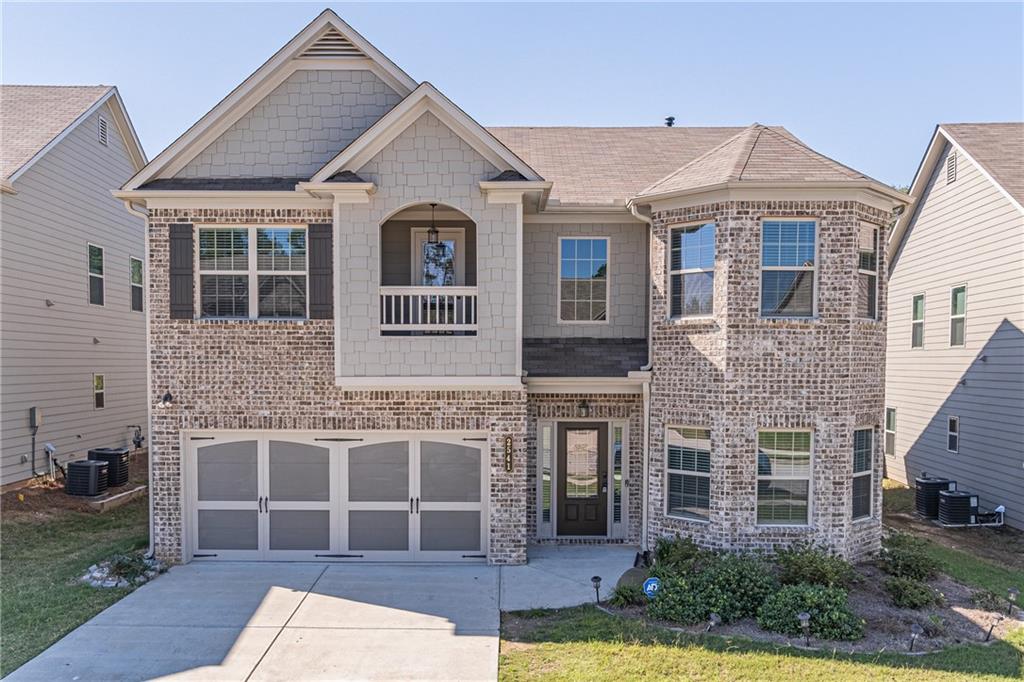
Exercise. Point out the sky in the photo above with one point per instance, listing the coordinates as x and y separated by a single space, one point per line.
863 83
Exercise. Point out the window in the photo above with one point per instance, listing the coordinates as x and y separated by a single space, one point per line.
890 430
863 441
617 445
95 275
546 453
917 322
228 267
867 273
135 282
692 270
787 268
98 392
689 472
783 477
583 280
953 434
957 315
102 131
951 167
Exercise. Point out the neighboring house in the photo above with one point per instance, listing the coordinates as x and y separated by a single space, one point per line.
342 370
955 360
72 323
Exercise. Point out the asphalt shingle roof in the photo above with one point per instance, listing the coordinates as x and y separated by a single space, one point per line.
32 115
583 357
998 148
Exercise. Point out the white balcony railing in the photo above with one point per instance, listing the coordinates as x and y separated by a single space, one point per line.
428 309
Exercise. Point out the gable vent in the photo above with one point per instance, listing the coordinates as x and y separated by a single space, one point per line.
103 131
951 167
332 44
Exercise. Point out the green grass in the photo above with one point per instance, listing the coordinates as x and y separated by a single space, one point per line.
971 570
584 643
39 561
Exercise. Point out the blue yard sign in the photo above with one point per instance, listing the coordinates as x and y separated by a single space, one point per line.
651 587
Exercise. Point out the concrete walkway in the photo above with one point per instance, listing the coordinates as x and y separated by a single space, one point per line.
285 621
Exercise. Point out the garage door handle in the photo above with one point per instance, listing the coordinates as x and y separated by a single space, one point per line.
417 505
410 505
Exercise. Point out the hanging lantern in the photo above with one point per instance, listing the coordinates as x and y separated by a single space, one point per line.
432 234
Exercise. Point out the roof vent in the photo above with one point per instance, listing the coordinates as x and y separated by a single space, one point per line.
103 131
951 167
332 44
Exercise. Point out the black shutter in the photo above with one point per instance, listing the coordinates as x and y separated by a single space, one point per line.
320 239
181 274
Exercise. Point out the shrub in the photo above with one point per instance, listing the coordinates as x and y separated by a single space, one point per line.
831 617
677 555
907 593
905 556
127 566
627 595
988 601
805 563
732 585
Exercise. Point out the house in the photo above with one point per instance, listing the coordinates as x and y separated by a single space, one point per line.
955 356
72 277
382 331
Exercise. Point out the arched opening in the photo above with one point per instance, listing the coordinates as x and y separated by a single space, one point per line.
428 270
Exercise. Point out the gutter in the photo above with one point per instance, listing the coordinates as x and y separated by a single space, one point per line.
644 545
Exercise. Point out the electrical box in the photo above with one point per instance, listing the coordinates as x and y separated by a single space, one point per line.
35 417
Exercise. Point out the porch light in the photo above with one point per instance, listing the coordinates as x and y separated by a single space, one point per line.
714 620
1012 594
166 400
583 409
805 625
432 234
915 632
596 582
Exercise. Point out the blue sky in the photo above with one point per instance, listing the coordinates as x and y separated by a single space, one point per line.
863 83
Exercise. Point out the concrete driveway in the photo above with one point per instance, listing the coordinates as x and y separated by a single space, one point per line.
278 621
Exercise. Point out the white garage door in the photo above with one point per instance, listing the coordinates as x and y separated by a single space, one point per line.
280 496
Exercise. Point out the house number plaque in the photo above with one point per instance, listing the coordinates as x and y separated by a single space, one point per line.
508 453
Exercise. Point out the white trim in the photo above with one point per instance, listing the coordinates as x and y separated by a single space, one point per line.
90 274
422 383
519 287
961 316
776 477
132 285
924 303
870 192
780 268
102 392
950 420
631 385
886 431
607 277
603 217
669 272
684 472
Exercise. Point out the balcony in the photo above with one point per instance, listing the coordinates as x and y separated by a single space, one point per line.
428 310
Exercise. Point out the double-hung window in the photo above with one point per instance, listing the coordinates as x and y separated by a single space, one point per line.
890 430
863 448
867 273
692 271
788 254
953 434
583 279
957 315
689 472
96 293
783 477
917 321
238 280
135 282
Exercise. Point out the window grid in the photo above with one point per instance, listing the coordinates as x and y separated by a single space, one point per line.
688 465
583 276
867 273
890 430
96 276
783 477
692 271
617 446
958 315
953 434
135 281
99 395
917 321
863 457
788 272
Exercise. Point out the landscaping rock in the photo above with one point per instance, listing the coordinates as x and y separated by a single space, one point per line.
117 572
634 577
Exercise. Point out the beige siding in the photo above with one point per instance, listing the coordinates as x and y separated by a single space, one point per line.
48 355
966 232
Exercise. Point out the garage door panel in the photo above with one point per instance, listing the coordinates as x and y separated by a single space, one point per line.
450 531
449 472
299 472
300 530
379 472
227 529
228 471
378 531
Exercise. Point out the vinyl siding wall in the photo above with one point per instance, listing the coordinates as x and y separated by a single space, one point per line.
966 232
47 353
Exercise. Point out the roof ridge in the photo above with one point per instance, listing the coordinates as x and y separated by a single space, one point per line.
693 162
750 151
811 153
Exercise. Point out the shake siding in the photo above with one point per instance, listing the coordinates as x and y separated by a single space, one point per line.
965 232
47 353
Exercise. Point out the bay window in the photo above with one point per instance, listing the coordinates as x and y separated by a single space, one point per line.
692 271
788 255
783 477
689 472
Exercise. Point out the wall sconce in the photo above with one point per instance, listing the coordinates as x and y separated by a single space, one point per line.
166 400
583 409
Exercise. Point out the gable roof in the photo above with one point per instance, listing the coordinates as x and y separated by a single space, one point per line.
425 98
326 41
996 148
35 117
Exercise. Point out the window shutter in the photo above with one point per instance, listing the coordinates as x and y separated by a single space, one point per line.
181 271
320 240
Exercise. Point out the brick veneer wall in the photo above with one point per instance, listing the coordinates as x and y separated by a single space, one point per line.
268 375
736 373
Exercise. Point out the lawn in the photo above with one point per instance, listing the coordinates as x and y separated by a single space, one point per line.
41 556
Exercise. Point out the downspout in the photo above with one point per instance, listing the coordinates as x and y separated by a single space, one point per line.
149 378
646 368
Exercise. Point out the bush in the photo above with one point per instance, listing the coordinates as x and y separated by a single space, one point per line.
627 595
732 585
831 617
907 593
905 556
988 600
677 555
805 563
127 566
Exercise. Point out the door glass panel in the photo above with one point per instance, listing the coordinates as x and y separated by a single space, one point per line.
450 531
439 263
228 529
227 471
300 529
379 473
449 473
299 472
378 530
581 463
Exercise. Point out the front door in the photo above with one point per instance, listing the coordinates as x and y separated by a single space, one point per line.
583 479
